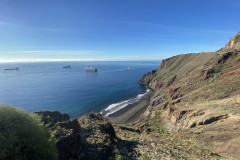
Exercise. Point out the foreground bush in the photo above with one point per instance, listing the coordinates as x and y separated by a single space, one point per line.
23 136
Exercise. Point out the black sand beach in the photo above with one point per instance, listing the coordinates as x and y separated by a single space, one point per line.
131 112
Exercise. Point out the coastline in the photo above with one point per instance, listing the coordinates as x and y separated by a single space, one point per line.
131 112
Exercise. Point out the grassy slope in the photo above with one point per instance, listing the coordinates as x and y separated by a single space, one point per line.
205 82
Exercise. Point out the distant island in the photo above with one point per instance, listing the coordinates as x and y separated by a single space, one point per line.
192 112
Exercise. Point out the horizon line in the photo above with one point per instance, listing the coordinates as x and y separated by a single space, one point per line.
70 60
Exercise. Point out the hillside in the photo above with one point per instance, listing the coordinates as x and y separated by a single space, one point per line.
93 137
197 96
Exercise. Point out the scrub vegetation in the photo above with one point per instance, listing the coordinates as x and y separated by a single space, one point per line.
23 136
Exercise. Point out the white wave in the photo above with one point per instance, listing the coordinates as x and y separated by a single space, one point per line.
120 105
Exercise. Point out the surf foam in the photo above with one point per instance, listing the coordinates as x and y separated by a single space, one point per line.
120 105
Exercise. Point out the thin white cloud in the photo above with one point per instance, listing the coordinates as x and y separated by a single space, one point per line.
70 52
134 38
46 29
56 30
136 23
76 60
36 28
204 30
1 22
81 52
46 60
5 23
27 51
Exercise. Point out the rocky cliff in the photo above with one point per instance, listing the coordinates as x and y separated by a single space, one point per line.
198 97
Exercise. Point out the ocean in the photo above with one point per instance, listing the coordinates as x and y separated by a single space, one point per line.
49 86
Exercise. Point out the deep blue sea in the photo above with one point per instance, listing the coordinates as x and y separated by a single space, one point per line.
48 86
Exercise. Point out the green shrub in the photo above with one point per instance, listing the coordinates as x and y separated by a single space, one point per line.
100 141
142 157
23 136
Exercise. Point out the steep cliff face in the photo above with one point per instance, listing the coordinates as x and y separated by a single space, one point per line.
198 96
205 76
176 68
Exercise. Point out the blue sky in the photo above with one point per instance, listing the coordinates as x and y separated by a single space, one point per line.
36 30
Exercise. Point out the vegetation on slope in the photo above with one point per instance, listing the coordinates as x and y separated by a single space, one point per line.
23 136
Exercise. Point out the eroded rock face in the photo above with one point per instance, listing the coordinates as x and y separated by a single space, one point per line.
156 85
185 119
147 78
174 93
234 43
217 129
150 80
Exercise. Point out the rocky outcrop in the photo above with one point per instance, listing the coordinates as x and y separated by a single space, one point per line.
234 43
52 117
217 130
147 78
174 93
88 137
185 119
100 141
66 132
207 73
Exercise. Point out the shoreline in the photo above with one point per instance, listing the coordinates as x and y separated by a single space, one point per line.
131 112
